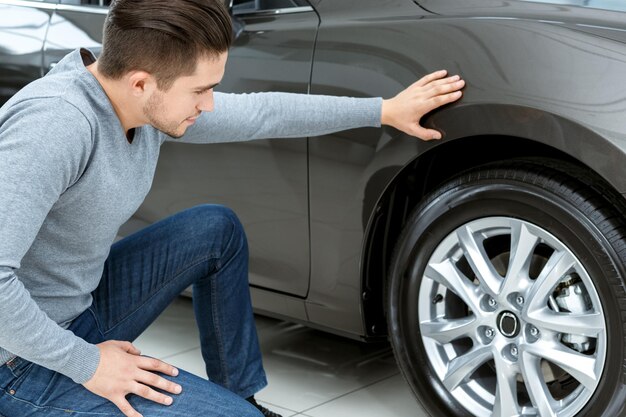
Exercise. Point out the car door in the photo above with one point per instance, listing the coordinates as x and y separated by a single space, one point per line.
23 25
264 181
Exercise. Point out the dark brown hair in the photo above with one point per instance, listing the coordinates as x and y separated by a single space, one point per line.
163 37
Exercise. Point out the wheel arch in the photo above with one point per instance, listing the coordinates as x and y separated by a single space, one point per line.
504 134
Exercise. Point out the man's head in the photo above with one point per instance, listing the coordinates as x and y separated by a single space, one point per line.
170 52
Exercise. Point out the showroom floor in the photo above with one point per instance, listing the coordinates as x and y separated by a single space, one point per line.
310 373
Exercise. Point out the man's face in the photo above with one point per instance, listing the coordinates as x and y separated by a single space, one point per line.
174 110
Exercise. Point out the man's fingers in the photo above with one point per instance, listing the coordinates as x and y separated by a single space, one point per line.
152 364
150 394
444 81
442 99
425 134
447 88
431 77
154 380
126 408
127 347
133 350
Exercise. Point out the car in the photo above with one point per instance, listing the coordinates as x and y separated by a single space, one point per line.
494 260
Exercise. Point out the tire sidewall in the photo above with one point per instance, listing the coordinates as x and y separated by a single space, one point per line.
560 215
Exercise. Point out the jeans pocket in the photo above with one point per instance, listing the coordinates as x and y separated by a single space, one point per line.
20 369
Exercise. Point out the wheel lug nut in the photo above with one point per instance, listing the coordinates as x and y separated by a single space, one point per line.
489 333
514 351
534 331
492 302
520 300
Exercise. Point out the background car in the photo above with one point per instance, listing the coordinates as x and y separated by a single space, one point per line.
494 259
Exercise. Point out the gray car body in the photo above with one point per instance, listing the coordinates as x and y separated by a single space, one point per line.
322 214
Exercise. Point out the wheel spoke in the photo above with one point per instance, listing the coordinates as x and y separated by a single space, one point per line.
445 331
479 261
446 274
506 393
559 264
569 323
536 386
579 366
462 367
523 244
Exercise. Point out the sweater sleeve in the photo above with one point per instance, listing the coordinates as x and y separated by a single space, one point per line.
241 117
42 153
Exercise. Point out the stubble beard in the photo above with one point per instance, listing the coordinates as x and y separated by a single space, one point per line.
153 110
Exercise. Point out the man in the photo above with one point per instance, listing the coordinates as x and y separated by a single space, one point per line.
78 150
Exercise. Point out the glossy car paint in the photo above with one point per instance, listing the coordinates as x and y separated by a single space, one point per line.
549 81
23 26
265 181
542 79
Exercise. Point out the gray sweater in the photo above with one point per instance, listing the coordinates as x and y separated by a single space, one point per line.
69 179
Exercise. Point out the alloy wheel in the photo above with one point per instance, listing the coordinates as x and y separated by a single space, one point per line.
511 321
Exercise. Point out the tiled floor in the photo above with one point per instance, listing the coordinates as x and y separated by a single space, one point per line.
310 373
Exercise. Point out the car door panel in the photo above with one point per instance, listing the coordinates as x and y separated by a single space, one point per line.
349 168
264 181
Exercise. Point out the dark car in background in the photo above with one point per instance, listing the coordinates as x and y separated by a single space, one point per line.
494 260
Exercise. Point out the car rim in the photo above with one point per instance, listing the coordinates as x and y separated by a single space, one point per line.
510 320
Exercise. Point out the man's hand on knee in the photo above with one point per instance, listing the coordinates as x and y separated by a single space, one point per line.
123 371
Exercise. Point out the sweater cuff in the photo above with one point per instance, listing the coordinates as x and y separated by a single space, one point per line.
372 111
83 362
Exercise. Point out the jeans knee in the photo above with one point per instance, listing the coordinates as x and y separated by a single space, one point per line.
220 221
215 217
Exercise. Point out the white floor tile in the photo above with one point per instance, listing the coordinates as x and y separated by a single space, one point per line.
173 332
310 373
307 368
389 398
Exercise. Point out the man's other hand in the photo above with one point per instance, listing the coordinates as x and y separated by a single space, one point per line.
405 110
122 371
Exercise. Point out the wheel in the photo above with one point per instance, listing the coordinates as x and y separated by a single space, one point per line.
506 295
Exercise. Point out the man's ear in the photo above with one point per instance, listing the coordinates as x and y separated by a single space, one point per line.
141 83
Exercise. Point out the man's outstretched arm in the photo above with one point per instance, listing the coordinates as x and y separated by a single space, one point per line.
241 117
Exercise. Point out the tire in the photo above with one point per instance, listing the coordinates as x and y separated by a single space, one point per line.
478 332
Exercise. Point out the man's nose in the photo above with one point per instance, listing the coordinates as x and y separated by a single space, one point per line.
206 103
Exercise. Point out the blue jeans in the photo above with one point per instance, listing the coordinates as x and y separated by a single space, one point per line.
205 247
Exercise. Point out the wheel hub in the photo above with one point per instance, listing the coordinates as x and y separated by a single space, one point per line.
508 324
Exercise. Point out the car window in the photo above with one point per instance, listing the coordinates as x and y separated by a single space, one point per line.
101 3
252 6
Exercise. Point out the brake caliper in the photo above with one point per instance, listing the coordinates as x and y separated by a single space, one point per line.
572 297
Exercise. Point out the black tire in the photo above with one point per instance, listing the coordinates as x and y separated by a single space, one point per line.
568 202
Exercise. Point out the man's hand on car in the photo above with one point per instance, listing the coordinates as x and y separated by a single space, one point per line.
405 110
123 371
